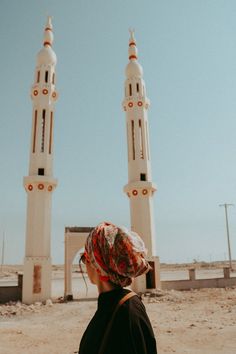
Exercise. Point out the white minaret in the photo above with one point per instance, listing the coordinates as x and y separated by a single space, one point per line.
140 188
40 183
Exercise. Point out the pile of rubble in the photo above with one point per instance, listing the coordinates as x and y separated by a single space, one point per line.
17 308
165 296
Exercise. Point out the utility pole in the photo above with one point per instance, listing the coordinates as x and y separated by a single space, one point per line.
227 231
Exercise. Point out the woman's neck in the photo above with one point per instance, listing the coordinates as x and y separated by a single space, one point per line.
104 286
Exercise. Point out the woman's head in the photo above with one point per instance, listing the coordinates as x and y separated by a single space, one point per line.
116 254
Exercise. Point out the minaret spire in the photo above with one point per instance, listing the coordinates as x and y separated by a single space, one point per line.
40 183
140 188
133 51
48 34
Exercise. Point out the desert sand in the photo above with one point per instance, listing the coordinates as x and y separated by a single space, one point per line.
194 322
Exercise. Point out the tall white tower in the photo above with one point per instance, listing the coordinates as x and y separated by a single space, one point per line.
140 188
40 183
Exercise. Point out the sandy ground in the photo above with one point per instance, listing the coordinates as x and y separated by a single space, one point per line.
194 322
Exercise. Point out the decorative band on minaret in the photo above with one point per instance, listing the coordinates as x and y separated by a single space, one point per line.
40 183
140 188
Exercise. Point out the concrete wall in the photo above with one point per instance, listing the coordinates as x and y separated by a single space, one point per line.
11 293
193 283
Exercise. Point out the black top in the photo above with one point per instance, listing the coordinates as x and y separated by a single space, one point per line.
131 331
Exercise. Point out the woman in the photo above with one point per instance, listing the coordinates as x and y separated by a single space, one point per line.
113 257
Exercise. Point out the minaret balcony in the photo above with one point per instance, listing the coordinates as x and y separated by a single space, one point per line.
44 92
39 183
140 102
140 188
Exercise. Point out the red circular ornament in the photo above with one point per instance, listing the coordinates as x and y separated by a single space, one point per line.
40 186
135 192
140 103
54 94
49 188
35 92
30 187
45 91
144 191
130 104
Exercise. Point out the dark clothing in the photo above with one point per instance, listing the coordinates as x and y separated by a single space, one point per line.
131 331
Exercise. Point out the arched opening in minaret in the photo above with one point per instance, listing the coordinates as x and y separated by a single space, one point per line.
133 139
38 76
140 139
35 129
46 76
43 129
53 78
130 89
137 87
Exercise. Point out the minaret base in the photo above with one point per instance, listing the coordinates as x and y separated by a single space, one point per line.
151 281
36 279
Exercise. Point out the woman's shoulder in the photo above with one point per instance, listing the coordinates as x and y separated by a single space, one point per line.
133 316
134 307
132 325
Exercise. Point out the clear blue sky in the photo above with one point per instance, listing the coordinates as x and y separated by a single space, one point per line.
188 52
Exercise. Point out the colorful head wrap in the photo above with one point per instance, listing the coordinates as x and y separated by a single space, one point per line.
116 253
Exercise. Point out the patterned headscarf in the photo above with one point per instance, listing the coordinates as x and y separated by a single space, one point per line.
116 253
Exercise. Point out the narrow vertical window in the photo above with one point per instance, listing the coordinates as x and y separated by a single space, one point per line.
133 139
50 134
137 87
38 76
53 78
35 130
43 130
130 89
46 76
140 139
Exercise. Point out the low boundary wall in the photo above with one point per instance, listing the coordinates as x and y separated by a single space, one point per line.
12 293
193 283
